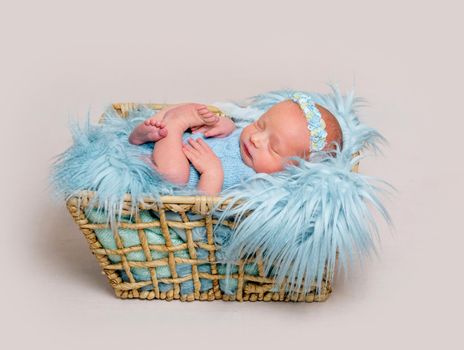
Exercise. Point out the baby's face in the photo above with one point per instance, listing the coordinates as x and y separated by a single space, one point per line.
279 133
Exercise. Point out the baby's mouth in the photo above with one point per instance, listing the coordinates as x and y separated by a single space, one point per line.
247 152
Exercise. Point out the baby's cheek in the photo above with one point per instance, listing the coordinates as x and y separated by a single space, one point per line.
270 166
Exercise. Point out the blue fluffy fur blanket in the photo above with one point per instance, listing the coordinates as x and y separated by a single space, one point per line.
297 220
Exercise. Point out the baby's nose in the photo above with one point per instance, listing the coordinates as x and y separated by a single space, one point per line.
256 140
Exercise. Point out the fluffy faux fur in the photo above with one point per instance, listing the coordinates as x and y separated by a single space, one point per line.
102 160
299 219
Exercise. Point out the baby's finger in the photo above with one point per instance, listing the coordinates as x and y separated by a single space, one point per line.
195 128
216 134
188 154
194 144
203 145
200 129
187 146
189 151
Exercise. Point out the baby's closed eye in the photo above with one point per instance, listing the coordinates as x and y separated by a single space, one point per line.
273 145
273 150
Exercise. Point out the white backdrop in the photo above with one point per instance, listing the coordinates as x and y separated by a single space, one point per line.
66 59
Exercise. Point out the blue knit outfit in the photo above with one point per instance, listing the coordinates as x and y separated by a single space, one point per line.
227 149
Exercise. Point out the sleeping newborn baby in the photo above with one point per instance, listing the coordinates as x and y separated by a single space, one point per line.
224 154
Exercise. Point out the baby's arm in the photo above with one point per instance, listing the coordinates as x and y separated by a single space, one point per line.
211 184
208 165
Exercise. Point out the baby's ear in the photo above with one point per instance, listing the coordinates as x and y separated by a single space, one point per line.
305 155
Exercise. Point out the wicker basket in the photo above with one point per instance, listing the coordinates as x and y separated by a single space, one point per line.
249 286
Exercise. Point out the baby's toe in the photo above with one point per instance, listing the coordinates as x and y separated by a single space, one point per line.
163 132
211 118
207 114
202 109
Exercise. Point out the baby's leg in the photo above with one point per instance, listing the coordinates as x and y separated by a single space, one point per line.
168 156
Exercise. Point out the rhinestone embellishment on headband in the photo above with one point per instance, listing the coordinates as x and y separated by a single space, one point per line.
316 124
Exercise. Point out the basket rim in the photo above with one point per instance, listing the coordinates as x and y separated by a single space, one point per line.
168 199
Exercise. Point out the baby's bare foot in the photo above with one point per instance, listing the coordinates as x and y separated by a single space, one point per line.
189 116
206 115
150 130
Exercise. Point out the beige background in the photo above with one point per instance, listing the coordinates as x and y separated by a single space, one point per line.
61 60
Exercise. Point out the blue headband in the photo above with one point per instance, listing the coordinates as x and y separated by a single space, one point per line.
316 124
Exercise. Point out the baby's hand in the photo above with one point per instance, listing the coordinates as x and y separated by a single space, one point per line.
202 156
224 127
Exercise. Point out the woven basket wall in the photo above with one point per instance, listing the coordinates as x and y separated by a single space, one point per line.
168 255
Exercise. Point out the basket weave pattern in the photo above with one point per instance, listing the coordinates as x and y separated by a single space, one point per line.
249 287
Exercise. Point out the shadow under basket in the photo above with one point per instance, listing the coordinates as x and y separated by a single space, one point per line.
144 258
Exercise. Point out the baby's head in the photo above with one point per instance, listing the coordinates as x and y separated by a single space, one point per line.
283 132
